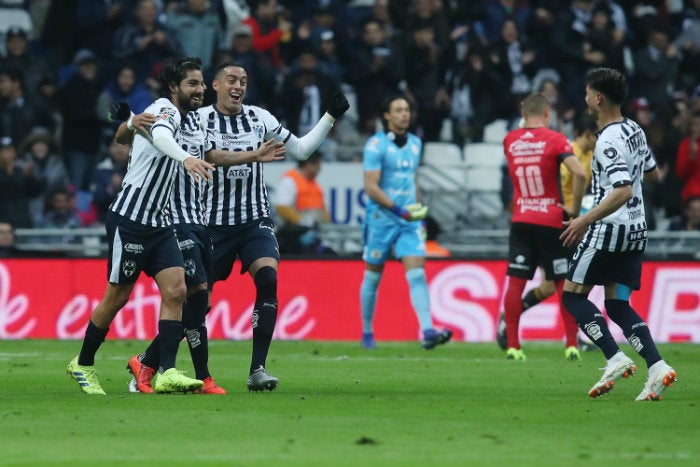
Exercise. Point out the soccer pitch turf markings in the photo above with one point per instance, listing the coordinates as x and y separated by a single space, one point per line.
338 405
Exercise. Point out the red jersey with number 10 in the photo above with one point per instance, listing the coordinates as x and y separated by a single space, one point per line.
533 156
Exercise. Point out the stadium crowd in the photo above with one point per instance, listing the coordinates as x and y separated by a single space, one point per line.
462 65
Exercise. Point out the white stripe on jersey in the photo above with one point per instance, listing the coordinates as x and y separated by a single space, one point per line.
237 194
187 198
621 157
146 188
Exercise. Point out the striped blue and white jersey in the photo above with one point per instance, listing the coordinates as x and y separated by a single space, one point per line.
621 157
237 194
187 200
148 183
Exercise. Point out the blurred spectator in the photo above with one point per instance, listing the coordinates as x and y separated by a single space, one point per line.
122 88
688 160
261 74
17 55
572 53
81 124
562 114
18 112
324 20
329 62
497 12
17 185
106 179
605 38
421 12
60 213
270 29
97 22
306 93
7 240
143 40
235 12
300 205
656 67
197 28
464 83
514 62
424 76
690 219
688 44
376 67
40 150
59 34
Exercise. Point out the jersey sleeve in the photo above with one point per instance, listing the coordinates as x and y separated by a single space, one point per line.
372 154
609 154
166 114
273 128
649 161
564 148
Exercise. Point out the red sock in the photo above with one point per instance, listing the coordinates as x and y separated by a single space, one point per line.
570 326
513 304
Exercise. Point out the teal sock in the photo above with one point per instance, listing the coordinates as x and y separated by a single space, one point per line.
420 298
368 298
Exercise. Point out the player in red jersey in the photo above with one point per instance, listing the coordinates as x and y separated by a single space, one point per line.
534 154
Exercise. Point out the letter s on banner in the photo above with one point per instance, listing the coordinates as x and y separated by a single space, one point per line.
474 320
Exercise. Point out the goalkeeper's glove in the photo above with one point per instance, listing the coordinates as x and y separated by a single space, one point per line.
119 111
412 212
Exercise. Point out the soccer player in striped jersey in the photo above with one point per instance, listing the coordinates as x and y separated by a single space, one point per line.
612 237
189 218
140 233
239 210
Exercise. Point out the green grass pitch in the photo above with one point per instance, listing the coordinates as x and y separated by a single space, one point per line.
461 404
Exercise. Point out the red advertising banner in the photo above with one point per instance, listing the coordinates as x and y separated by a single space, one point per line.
53 298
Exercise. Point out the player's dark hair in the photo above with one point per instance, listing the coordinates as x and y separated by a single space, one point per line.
609 82
226 64
175 70
585 123
386 104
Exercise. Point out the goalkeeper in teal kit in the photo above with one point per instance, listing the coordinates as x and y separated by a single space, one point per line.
393 219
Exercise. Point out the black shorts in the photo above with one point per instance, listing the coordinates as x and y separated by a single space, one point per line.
196 247
248 242
595 267
134 247
533 245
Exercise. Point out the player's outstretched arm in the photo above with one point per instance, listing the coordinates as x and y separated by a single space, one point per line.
302 148
163 141
269 151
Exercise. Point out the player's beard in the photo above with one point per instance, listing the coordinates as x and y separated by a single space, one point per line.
187 103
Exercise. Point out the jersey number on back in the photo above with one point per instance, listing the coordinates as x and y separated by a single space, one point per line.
530 180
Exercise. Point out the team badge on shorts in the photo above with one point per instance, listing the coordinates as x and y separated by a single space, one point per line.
129 267
190 267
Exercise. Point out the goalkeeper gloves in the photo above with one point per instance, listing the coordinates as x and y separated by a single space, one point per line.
412 212
119 111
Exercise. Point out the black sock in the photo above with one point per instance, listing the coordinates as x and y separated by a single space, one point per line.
151 356
591 321
193 313
170 332
264 315
531 299
94 337
634 328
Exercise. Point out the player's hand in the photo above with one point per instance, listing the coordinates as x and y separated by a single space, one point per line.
119 111
143 122
270 151
339 105
199 168
412 212
574 232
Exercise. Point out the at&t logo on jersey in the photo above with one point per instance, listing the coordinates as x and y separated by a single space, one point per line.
238 172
